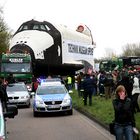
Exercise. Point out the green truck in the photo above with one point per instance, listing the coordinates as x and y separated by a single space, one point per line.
119 63
17 64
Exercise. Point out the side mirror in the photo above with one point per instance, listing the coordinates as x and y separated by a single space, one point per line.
12 111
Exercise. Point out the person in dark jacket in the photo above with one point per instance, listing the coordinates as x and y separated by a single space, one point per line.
87 85
101 83
127 83
11 79
108 84
3 95
124 115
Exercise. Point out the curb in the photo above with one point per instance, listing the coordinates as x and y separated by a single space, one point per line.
90 116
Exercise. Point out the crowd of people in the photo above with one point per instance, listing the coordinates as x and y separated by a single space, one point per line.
105 83
123 87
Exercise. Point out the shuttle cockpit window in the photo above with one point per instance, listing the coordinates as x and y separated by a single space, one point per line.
47 28
42 27
24 27
36 27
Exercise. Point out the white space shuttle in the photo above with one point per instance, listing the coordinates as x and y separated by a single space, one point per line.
55 49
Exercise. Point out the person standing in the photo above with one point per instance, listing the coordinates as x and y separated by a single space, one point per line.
124 115
127 83
135 85
69 83
35 85
101 84
79 83
11 79
108 84
3 94
88 86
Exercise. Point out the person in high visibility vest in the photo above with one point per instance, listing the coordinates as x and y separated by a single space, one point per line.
69 83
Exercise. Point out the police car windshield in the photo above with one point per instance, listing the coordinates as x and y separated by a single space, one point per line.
44 90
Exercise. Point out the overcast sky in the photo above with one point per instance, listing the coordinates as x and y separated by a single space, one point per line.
113 23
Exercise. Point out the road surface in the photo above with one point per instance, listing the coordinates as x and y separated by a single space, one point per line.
54 127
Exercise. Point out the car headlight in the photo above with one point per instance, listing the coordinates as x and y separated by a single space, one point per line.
66 100
38 101
24 97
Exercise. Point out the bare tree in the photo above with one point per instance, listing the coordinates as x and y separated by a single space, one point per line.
109 53
131 50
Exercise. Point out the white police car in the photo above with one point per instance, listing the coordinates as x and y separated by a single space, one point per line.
52 98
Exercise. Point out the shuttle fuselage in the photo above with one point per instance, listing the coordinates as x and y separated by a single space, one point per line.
55 49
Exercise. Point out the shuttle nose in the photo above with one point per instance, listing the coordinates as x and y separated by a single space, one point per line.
22 48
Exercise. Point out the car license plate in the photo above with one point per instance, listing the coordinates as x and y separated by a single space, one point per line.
54 106
13 100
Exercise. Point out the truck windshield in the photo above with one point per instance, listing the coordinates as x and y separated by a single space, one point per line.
16 67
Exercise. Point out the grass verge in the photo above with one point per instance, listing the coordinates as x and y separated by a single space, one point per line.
101 109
